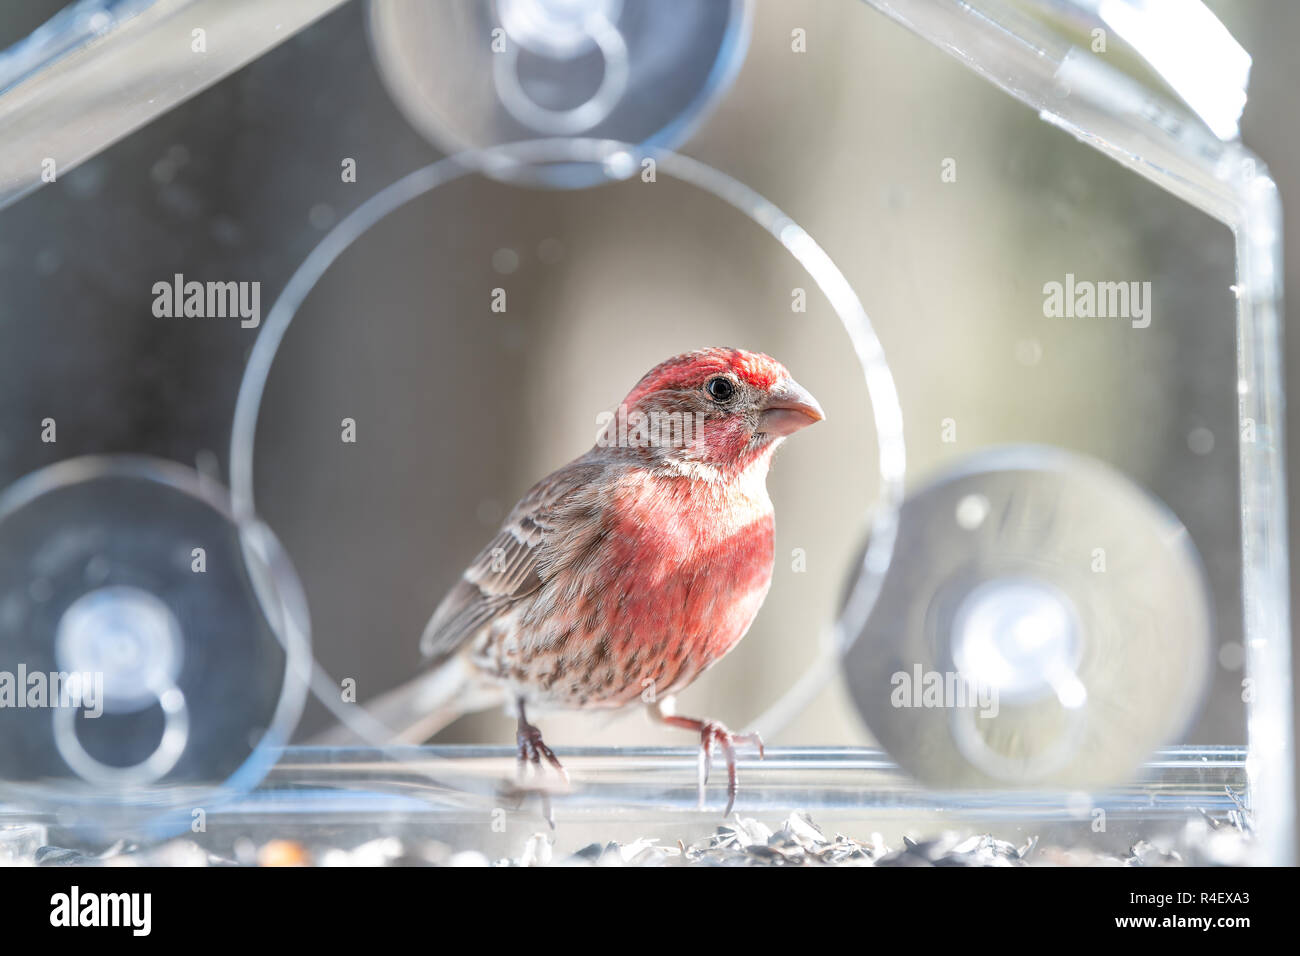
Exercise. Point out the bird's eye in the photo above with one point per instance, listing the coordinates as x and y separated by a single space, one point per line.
720 389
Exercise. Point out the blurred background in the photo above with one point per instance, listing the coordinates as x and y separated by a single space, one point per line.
459 409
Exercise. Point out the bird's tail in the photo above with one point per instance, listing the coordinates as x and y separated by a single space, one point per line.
416 710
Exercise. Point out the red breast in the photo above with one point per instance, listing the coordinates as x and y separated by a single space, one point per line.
691 563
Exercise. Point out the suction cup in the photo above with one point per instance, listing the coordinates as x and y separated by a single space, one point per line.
471 74
153 652
1045 622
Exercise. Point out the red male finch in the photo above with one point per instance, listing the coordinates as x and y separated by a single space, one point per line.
627 573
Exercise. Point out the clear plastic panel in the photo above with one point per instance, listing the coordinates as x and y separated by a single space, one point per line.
1095 518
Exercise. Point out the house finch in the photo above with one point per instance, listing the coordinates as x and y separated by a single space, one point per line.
632 569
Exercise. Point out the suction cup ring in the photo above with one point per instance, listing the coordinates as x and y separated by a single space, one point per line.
133 639
964 725
1023 637
580 118
175 735
609 155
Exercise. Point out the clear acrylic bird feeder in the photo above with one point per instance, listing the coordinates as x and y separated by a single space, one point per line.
1052 557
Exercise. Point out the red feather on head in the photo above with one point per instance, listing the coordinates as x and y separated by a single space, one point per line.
692 369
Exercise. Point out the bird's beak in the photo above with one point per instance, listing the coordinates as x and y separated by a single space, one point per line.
789 407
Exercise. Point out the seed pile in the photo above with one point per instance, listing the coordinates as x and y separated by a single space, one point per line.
742 841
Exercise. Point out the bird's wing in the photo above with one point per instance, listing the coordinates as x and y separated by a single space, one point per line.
512 566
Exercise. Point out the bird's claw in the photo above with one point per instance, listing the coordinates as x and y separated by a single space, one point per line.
533 749
712 732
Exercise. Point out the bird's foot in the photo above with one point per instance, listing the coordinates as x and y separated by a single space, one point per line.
532 750
714 734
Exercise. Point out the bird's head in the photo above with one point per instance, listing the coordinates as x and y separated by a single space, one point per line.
718 406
